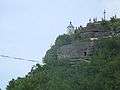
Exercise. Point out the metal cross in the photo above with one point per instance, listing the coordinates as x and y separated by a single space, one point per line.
104 14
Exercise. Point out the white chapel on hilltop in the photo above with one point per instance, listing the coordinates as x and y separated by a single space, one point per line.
70 28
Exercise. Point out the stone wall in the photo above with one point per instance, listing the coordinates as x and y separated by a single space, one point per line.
75 50
94 31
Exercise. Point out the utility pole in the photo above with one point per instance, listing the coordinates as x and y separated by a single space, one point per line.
104 14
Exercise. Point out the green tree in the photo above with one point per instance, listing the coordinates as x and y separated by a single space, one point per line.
63 40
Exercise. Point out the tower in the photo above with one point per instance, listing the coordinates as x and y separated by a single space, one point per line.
70 28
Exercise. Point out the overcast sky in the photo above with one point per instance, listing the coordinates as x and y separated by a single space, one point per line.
29 27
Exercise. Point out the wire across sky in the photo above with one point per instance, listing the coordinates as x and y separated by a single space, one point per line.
17 58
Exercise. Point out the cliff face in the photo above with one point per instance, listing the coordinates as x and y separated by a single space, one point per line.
84 39
76 50
94 30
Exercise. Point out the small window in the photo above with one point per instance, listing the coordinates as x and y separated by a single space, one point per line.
85 53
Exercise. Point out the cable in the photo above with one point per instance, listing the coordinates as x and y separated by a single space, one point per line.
17 58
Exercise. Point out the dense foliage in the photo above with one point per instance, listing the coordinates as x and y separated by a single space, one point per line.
63 40
51 54
102 73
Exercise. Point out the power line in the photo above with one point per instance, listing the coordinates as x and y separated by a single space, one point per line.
17 58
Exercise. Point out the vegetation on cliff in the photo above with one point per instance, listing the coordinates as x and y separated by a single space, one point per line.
101 73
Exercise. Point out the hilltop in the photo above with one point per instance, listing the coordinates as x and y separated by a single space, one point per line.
86 58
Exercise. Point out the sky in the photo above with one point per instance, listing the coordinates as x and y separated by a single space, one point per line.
29 27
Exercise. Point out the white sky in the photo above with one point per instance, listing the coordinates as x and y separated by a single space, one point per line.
29 27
